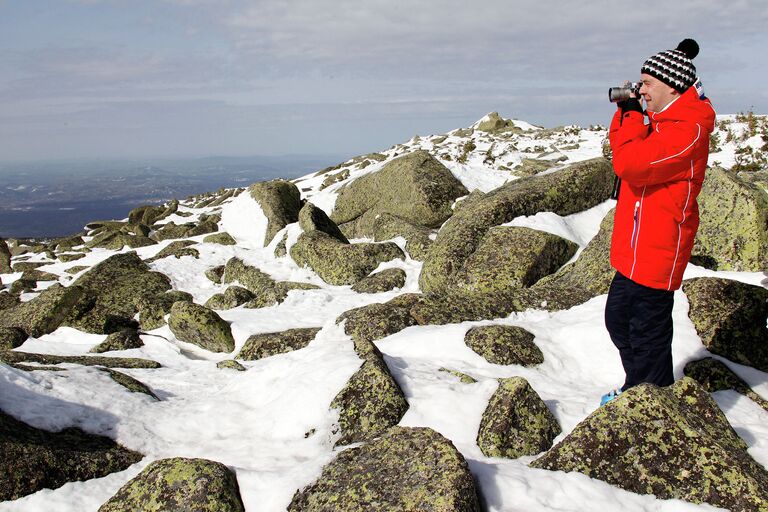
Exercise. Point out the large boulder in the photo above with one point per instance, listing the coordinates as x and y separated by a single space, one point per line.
179 484
494 123
46 312
383 281
573 189
250 277
201 326
513 257
148 215
176 249
714 375
730 318
405 470
8 300
504 344
116 240
516 422
415 187
733 231
674 443
268 344
417 238
11 337
32 459
124 339
313 218
5 258
338 263
231 298
152 310
280 200
375 321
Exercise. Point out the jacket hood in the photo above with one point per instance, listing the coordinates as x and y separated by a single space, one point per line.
688 107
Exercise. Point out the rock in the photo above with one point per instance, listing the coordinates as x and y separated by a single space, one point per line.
152 310
230 364
730 318
231 298
383 281
516 422
149 215
338 263
280 248
76 269
177 250
22 285
46 312
733 231
215 274
533 166
114 289
222 238
280 200
11 337
13 357
313 218
570 190
671 442
206 224
5 258
334 178
201 326
179 484
513 257
32 459
66 258
250 277
172 230
66 243
504 344
37 275
415 187
8 300
375 321
123 339
463 377
417 241
24 266
405 470
129 383
713 375
494 123
264 345
116 240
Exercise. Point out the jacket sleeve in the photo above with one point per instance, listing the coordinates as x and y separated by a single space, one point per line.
643 158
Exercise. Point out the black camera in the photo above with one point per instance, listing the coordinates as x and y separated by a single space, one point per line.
622 93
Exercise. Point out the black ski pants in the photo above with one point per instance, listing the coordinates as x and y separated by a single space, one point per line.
639 320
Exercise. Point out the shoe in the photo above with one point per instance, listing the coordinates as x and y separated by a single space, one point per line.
609 396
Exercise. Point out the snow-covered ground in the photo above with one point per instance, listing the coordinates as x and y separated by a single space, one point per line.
272 424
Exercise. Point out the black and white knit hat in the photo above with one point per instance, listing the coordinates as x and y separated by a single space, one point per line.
674 67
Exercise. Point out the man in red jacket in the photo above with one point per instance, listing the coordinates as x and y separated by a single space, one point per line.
661 165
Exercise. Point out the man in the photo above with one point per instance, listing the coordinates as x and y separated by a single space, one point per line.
661 166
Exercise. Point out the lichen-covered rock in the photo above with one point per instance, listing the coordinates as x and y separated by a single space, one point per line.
570 190
176 249
38 275
733 231
280 200
5 258
533 166
215 274
386 226
114 288
463 377
116 240
383 281
230 364
713 375
32 459
494 123
516 422
179 484
76 269
405 470
375 321
149 215
11 337
206 224
22 285
24 266
730 317
46 312
8 300
672 442
66 258
338 263
416 187
152 310
504 344
171 230
250 277
513 257
231 298
66 243
123 339
201 326
313 218
222 238
334 178
263 345
129 383
14 357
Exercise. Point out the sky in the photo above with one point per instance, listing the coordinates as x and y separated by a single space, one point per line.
191 78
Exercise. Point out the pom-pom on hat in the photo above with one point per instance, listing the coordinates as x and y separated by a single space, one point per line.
674 67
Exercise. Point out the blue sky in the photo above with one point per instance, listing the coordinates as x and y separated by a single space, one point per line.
189 78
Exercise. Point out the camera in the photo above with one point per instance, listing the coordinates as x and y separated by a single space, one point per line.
622 93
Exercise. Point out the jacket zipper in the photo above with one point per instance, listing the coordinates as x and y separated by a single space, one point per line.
634 226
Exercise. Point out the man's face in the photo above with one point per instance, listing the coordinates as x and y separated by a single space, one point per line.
656 93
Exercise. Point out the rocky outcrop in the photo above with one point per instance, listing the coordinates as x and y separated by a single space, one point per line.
269 344
200 326
383 281
313 218
46 312
714 375
179 484
730 318
733 231
504 344
516 422
405 470
570 190
231 298
32 459
494 123
280 200
124 339
671 442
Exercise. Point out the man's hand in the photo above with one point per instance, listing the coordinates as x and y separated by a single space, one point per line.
632 104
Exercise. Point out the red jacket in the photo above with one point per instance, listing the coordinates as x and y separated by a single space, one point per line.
661 166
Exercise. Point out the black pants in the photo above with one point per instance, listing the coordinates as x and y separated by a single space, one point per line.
639 320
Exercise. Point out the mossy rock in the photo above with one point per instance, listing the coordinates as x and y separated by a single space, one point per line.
14 357
338 263
230 364
375 321
280 200
12 337
215 274
313 218
250 277
407 469
383 281
129 383
533 166
46 312
516 422
730 318
386 226
264 345
504 344
673 442
416 187
176 249
76 269
733 230
114 289
22 285
222 238
571 190
513 257
204 226
152 310
66 258
334 178
38 275
714 376
5 258
179 484
8 300
494 123
171 230
149 215
201 326
116 240
24 266
32 459
281 249
231 298
124 339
